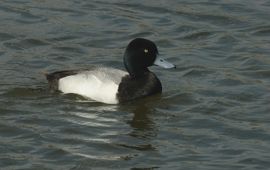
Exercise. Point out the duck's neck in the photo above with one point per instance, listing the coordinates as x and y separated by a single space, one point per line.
135 70
138 73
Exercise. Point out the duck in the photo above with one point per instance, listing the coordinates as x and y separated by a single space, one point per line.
111 85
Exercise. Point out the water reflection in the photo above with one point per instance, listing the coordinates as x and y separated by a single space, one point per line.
117 128
142 124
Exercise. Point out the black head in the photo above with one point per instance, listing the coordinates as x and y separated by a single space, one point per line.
140 54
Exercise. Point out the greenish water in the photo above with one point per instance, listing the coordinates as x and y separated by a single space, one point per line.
214 110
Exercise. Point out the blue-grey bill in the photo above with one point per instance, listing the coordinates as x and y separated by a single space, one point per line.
163 63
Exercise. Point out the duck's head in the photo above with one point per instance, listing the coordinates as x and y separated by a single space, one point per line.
140 54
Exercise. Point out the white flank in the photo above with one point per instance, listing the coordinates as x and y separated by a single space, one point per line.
100 85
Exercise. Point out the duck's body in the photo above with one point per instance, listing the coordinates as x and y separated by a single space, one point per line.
112 86
98 83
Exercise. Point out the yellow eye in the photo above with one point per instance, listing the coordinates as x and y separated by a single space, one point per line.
146 50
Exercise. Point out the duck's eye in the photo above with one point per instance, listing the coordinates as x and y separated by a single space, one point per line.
145 50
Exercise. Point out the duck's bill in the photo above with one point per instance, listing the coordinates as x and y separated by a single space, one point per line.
163 63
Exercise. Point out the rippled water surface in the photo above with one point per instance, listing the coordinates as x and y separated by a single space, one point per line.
214 112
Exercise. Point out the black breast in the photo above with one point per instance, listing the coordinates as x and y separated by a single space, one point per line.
132 88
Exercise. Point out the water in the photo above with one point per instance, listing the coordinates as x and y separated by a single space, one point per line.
214 110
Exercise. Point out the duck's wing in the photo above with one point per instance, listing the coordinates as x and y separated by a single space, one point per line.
106 74
100 84
90 81
54 77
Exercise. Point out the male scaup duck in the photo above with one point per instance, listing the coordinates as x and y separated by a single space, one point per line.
112 86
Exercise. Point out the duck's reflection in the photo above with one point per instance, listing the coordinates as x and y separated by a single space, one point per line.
139 116
142 124
143 127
